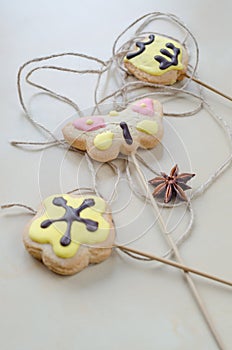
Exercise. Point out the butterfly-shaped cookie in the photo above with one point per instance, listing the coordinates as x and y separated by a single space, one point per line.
104 137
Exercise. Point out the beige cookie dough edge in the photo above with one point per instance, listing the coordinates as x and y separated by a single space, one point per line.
74 137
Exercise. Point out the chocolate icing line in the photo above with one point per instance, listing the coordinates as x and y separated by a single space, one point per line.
126 133
142 46
164 63
71 215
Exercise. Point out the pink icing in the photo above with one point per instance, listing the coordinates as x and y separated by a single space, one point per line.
81 123
145 110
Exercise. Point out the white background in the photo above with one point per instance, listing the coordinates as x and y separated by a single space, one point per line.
119 304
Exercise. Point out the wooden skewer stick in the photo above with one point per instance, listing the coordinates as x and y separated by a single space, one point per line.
175 249
208 87
185 268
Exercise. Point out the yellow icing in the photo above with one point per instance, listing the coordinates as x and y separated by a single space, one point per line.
148 126
146 62
113 113
103 141
79 233
89 121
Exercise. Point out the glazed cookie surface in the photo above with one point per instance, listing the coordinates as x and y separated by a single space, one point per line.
70 232
104 137
157 59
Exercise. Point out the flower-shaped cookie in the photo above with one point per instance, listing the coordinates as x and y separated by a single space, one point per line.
104 137
69 232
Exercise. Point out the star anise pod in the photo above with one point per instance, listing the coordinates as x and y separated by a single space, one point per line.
171 185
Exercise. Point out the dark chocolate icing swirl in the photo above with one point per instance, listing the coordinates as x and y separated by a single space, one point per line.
164 62
142 46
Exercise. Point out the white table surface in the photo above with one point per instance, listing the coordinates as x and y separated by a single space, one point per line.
121 303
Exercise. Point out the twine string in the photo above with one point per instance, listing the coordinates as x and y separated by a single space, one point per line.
93 174
20 205
49 91
105 66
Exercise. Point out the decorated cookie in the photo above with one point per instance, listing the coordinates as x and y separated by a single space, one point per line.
70 232
104 137
157 59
